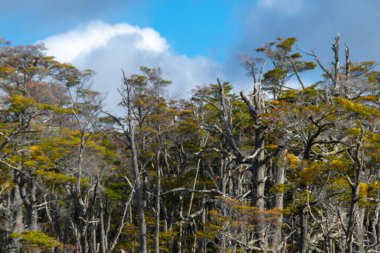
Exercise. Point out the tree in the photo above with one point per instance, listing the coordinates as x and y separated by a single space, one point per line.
281 169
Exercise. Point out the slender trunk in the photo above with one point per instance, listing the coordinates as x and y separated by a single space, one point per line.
80 204
360 229
352 215
350 226
279 179
122 222
19 216
375 224
18 224
258 190
29 203
183 248
195 243
204 242
304 235
158 207
103 238
180 225
138 193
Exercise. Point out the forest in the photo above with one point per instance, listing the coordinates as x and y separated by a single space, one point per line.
282 168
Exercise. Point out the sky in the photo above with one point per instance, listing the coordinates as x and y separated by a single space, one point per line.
192 41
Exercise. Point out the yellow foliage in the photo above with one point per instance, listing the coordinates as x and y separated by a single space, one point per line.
372 98
358 108
213 212
36 239
307 175
356 130
20 102
341 183
311 173
6 70
293 160
340 164
375 186
34 148
58 178
363 189
206 234
337 162
6 185
271 146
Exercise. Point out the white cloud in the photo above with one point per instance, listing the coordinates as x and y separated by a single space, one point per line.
108 48
70 45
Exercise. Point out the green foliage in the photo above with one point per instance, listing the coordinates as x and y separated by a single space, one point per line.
73 168
286 44
358 109
289 95
36 239
275 74
115 190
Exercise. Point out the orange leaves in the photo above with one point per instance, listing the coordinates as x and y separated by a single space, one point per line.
34 148
213 212
242 215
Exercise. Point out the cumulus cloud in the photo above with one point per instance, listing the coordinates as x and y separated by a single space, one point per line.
68 46
108 48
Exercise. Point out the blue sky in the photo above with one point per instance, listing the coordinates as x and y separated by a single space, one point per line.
192 27
193 41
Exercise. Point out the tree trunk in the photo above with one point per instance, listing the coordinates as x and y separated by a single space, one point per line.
157 218
304 229
279 179
138 193
18 223
258 190
103 237
360 229
18 210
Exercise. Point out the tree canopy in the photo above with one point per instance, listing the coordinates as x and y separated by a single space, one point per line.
285 168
